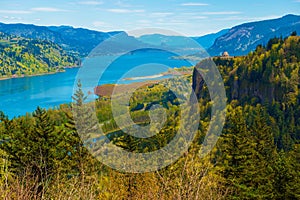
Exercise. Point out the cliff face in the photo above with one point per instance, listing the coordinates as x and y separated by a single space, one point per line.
268 75
258 91
243 90
198 83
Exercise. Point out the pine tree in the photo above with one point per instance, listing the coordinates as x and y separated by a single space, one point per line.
287 175
261 170
294 33
248 151
80 128
33 146
233 151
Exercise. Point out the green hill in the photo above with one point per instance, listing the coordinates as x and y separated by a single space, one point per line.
23 57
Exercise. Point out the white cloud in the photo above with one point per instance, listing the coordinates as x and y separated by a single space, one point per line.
125 11
92 3
161 14
11 18
199 17
194 4
14 12
222 13
48 9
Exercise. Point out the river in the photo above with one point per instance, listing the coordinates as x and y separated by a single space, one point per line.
22 95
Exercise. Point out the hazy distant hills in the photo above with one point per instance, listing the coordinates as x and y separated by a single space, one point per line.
244 38
208 40
118 44
238 40
160 40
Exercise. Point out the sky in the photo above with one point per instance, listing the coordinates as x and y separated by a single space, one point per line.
185 17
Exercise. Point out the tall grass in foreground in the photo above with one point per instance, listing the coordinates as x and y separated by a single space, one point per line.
189 178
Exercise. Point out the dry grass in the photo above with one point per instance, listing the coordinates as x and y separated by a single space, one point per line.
189 178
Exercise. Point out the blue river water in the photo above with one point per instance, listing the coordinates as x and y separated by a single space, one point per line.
22 95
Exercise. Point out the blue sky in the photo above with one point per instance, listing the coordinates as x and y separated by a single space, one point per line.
193 18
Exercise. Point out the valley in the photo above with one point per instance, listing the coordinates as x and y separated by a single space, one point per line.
90 114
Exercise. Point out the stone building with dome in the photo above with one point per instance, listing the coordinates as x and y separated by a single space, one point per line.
225 54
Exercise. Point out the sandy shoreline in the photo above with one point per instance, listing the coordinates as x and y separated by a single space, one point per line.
144 77
106 90
167 73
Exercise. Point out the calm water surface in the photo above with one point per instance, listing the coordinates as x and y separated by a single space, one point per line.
22 95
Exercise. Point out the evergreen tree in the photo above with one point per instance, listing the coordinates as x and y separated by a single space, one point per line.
33 146
248 150
294 33
81 126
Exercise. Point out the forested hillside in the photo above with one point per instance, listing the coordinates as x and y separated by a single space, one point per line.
267 76
258 153
22 57
256 157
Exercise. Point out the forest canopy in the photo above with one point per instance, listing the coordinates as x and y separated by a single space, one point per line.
23 56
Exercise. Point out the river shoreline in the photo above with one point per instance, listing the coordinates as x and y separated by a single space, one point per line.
167 73
106 90
39 74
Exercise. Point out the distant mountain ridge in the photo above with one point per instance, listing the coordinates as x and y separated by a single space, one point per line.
238 40
77 40
160 40
244 38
